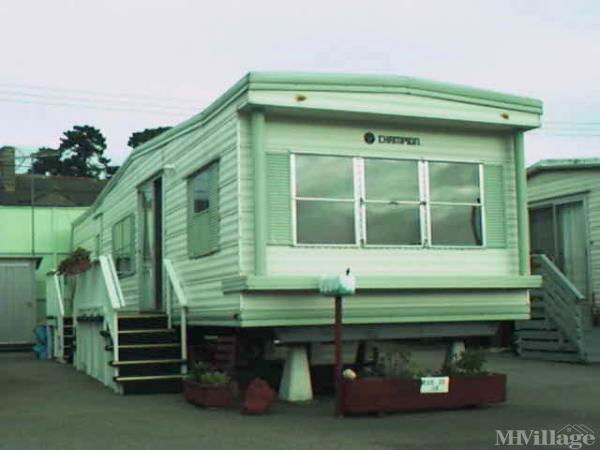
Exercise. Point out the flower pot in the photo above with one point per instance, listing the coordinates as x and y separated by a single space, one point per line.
207 395
378 395
259 397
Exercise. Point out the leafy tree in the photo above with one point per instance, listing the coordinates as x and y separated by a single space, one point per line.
80 154
139 137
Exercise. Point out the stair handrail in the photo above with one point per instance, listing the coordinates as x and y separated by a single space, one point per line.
54 298
175 286
114 304
562 301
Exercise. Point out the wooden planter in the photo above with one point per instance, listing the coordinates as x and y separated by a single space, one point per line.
206 395
378 395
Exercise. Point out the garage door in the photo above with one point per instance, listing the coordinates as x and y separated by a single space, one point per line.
17 301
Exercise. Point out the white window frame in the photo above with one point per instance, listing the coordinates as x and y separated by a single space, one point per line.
360 203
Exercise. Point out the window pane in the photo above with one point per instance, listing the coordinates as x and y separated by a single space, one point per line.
199 187
393 224
324 177
542 232
325 222
454 182
456 225
391 180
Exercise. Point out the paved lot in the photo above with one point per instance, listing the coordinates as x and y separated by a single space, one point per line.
45 405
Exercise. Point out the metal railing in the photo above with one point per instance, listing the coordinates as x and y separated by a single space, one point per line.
175 291
55 308
562 301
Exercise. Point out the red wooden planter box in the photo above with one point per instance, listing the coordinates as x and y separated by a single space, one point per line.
373 395
205 395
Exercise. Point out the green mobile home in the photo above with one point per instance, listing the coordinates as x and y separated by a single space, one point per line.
564 210
225 223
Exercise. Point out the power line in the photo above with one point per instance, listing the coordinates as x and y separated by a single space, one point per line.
90 105
121 96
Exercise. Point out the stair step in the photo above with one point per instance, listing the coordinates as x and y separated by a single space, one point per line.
147 361
548 346
551 356
137 322
150 378
147 330
161 345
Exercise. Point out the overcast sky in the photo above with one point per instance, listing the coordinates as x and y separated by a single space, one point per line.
126 65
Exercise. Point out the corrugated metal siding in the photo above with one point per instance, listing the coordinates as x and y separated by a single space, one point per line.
552 184
188 153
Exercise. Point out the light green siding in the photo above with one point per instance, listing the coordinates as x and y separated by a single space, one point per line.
495 210
561 183
264 309
177 160
279 199
52 230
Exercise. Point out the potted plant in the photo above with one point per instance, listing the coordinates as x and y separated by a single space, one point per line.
394 383
207 386
78 261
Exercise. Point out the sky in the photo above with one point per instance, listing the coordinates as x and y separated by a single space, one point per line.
126 65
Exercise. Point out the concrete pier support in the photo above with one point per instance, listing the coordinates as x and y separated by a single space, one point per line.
454 351
295 383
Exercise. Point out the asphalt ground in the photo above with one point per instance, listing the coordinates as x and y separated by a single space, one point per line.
46 405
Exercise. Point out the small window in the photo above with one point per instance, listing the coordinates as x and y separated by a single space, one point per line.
203 211
123 246
324 200
455 204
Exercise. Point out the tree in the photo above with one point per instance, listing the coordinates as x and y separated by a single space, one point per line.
139 137
80 154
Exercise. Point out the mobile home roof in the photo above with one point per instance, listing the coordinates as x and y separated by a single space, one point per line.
329 82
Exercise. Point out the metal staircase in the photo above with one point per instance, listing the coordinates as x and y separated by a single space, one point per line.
148 354
561 326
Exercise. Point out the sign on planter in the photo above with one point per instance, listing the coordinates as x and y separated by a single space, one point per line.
435 385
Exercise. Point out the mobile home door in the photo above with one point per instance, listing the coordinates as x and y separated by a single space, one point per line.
150 231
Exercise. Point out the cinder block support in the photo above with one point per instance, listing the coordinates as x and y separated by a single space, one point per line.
295 383
454 350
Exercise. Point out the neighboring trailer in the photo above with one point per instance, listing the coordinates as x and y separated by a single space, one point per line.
564 210
564 202
418 187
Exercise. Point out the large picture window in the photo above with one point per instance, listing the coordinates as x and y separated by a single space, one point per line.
123 246
387 202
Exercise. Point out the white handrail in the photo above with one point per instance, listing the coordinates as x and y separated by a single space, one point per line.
56 303
174 285
111 282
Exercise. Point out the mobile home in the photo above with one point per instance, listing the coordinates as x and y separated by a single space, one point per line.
225 223
564 210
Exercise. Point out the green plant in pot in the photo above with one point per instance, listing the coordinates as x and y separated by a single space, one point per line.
208 386
78 261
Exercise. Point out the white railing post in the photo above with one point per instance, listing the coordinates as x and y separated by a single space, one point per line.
174 287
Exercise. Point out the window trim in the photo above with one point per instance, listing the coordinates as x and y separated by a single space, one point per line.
360 212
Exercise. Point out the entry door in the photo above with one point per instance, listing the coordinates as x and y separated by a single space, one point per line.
150 238
559 231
